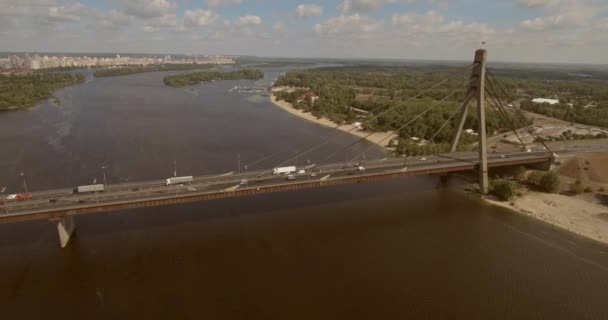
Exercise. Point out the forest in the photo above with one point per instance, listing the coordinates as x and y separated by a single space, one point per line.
198 77
594 115
23 91
347 93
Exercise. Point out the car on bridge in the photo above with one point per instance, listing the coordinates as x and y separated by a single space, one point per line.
19 197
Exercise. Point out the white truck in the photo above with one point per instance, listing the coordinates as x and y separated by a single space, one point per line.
284 170
90 188
179 180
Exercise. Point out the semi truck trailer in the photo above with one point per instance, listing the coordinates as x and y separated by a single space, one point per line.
179 180
284 170
90 188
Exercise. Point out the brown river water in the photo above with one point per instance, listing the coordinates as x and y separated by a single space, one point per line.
406 248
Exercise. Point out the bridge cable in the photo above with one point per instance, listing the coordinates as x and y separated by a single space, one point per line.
380 114
433 105
504 115
523 119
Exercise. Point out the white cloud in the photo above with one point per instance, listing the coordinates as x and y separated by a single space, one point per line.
217 3
360 6
468 28
148 8
113 19
603 24
280 27
429 18
309 10
418 22
354 25
166 21
577 15
199 17
248 20
71 12
537 3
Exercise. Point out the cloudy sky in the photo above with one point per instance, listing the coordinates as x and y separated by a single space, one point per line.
515 30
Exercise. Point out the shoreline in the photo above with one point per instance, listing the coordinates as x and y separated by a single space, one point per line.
378 138
571 214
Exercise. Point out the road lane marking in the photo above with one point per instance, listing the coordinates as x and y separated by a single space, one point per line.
226 174
232 188
326 177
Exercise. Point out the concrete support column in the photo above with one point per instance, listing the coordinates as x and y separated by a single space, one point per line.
479 71
65 228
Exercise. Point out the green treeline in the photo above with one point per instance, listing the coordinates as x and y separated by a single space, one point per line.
590 115
378 89
197 77
114 72
22 91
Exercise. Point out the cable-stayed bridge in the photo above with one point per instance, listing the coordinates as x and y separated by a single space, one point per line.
61 206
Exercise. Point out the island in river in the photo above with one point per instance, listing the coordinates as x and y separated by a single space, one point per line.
182 80
20 91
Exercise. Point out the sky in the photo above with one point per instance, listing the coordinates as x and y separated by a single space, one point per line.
567 31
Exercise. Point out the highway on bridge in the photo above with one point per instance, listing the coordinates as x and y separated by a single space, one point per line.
57 203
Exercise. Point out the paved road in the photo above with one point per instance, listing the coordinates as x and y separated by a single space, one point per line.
64 199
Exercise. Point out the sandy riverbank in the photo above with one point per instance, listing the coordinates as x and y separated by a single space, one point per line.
582 214
573 214
380 138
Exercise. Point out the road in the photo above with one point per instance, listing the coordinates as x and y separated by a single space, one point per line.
66 199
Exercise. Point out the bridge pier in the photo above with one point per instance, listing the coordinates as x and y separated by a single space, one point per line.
444 179
65 229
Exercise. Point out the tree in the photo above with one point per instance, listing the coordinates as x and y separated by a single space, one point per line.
503 189
534 179
549 182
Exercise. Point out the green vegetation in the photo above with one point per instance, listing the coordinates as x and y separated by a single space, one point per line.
114 72
544 181
23 91
503 189
596 115
197 77
583 94
549 182
349 94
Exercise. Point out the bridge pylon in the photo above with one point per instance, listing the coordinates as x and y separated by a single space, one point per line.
477 91
65 229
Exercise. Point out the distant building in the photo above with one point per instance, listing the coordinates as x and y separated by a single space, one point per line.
543 100
309 96
470 132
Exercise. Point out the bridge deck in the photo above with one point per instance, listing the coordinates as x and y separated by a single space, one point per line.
60 203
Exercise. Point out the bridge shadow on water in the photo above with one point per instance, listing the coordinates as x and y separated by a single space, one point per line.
118 222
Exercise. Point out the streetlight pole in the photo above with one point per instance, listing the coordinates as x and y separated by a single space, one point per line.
105 182
96 198
238 160
24 182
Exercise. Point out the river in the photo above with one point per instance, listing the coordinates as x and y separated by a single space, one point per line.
406 248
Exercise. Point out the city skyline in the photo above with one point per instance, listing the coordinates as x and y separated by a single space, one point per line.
552 31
